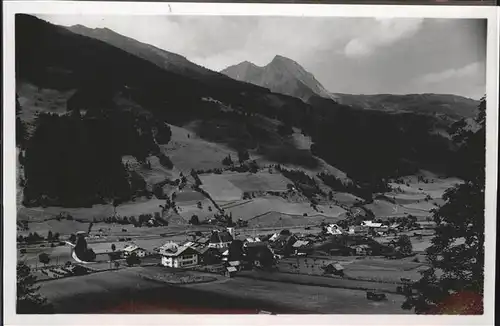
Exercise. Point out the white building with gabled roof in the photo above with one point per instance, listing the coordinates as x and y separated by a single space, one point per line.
130 249
181 258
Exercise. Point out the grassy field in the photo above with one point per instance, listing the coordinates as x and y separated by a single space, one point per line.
280 220
220 189
346 199
127 291
261 181
35 99
187 151
189 196
305 299
263 205
382 208
140 206
367 268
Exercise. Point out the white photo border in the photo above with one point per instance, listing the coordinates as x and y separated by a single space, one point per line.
241 9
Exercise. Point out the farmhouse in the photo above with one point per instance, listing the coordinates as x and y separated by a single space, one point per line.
370 224
134 249
220 239
333 229
333 268
362 250
183 257
357 230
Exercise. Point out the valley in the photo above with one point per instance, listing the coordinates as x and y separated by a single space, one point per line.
126 151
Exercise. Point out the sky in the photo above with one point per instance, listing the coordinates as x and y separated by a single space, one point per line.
346 54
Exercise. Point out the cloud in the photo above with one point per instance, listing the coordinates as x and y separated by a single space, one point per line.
401 55
384 32
470 70
468 80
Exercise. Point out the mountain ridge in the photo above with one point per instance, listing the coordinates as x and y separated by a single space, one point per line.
166 60
287 76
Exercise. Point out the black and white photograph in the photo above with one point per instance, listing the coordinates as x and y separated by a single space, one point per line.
251 164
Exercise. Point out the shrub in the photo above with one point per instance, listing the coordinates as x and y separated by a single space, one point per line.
194 220
132 260
44 258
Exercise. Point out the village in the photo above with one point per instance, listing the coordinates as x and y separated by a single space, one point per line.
267 224
325 250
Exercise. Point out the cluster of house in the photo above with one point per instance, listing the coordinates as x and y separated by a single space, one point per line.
206 250
214 248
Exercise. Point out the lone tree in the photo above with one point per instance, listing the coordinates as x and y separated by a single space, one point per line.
113 247
243 155
116 203
404 245
227 161
29 301
194 220
44 258
454 283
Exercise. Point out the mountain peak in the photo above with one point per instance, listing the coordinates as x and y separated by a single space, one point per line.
281 75
282 59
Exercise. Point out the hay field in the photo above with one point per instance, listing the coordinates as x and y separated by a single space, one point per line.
187 211
382 208
304 298
280 221
219 188
36 99
135 208
259 206
346 198
367 268
229 187
156 174
188 196
187 151
261 181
